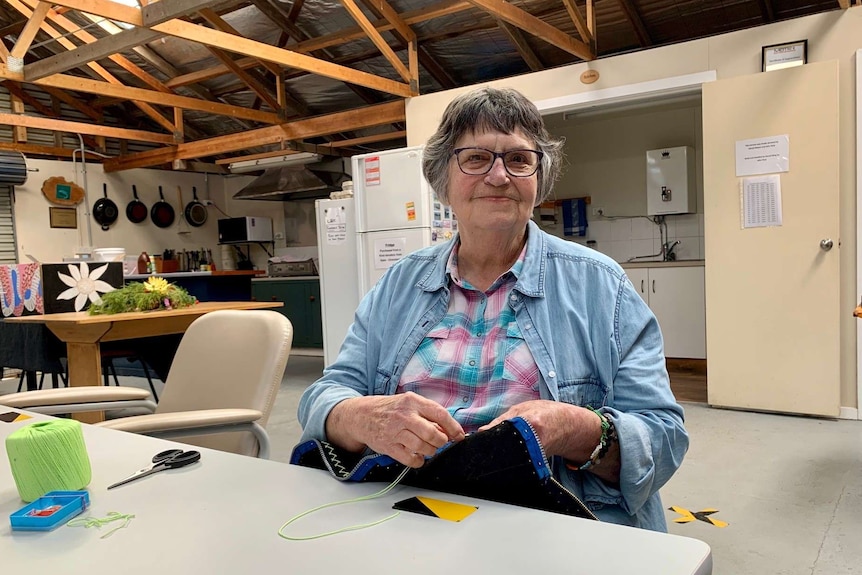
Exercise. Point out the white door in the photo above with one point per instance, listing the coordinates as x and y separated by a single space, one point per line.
391 191
339 272
378 251
772 293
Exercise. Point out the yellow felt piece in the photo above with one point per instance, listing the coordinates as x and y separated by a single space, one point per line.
446 509
22 417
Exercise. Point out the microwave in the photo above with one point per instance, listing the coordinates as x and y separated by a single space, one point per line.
244 229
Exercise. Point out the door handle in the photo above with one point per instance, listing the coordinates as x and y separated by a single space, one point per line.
653 286
826 245
311 298
642 287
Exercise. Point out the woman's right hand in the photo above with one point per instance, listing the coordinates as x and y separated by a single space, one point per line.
406 427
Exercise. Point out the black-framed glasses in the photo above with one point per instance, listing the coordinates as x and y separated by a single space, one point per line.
478 161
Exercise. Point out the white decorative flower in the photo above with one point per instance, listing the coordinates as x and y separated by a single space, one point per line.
84 285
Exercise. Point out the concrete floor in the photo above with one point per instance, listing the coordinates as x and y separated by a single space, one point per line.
790 487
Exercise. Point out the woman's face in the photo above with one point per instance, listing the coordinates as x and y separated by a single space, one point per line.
495 201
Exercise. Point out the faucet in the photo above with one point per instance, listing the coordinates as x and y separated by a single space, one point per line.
669 254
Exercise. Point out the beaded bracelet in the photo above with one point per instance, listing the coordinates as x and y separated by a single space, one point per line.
609 436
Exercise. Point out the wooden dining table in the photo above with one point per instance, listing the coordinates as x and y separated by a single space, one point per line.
83 334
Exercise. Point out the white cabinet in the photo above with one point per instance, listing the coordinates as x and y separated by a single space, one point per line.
676 297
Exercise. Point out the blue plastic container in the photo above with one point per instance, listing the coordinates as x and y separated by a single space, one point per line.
50 511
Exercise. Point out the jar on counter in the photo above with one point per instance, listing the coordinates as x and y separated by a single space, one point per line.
144 263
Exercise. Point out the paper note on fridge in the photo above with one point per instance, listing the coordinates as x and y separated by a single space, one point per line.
336 225
387 251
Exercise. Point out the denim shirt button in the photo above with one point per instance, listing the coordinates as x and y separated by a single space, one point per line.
528 326
513 297
552 374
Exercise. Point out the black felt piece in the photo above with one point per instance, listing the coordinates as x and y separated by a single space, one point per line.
494 465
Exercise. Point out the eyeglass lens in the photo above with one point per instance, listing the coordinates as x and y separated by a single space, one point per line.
478 161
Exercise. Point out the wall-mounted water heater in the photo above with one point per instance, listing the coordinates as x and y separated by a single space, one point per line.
671 181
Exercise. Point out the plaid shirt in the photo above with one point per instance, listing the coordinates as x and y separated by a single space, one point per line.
475 362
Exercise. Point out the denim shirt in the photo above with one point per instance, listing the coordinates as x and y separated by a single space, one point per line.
595 341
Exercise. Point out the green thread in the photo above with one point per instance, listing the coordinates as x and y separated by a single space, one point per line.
96 522
380 493
48 456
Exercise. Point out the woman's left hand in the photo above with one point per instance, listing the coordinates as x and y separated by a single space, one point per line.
563 429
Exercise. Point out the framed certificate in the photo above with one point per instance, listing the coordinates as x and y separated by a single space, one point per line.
63 217
785 55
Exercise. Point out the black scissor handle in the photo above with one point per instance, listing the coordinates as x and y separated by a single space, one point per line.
164 455
182 459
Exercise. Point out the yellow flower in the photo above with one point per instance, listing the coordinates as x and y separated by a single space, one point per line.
156 285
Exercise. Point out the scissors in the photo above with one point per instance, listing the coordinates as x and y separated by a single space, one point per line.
170 459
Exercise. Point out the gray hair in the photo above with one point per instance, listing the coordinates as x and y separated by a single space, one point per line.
502 110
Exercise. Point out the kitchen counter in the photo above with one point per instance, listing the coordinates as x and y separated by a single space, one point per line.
228 285
217 273
285 278
661 264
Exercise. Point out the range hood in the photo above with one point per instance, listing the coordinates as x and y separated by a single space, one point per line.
293 183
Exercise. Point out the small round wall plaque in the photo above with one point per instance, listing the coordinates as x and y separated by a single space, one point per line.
589 76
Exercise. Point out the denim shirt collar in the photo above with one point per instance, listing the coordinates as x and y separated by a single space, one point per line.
531 281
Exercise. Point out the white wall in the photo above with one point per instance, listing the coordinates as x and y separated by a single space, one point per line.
37 238
831 36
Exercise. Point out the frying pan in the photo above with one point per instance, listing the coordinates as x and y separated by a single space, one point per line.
105 210
196 212
162 213
136 210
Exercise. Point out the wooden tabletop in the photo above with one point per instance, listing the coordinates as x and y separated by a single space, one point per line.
82 317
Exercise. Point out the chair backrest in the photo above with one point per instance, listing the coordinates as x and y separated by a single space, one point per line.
229 359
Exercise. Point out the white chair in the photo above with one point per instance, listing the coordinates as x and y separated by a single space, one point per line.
219 392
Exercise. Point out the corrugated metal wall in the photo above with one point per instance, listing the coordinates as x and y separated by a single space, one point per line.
8 245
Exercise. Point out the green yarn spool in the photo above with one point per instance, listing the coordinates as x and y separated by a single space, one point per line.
48 456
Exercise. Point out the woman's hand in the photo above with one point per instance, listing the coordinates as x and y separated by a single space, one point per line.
406 426
563 429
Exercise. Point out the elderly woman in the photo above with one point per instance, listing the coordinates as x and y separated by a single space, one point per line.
507 321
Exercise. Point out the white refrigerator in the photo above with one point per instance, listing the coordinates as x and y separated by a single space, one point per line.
392 213
396 212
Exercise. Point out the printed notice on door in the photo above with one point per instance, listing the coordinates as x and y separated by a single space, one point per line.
388 251
336 225
763 156
761 202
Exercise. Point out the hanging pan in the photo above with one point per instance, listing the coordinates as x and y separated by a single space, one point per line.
196 212
136 210
105 210
162 213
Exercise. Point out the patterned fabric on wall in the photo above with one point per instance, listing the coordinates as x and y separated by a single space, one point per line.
74 286
20 289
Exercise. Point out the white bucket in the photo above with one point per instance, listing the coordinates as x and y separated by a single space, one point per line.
109 254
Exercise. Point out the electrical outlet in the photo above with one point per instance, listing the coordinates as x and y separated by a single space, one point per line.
598 211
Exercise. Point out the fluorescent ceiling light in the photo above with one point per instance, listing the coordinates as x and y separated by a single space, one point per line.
273 162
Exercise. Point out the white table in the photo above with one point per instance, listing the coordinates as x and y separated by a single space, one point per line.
222 516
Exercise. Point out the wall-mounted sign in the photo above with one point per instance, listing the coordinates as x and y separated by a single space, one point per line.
63 217
786 55
59 191
589 76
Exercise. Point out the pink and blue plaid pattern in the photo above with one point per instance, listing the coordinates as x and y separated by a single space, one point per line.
475 362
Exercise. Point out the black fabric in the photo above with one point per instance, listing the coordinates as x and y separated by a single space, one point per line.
496 465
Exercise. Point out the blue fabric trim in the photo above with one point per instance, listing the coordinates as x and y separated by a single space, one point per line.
537 454
301 450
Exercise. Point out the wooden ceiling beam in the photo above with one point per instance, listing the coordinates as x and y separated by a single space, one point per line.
97 50
82 128
767 12
579 21
382 45
22 44
297 130
844 4
637 22
532 25
75 83
60 21
520 43
240 45
37 150
73 102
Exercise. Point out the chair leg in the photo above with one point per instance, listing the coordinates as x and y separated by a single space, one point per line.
41 380
21 381
55 380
